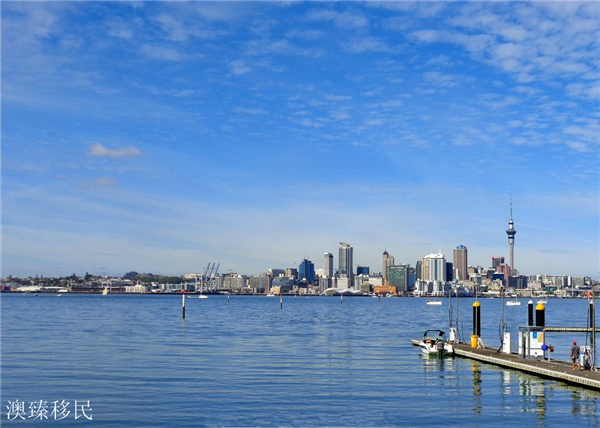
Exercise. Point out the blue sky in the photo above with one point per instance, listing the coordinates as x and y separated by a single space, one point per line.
159 136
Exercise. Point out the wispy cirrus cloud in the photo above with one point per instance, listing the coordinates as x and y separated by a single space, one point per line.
98 150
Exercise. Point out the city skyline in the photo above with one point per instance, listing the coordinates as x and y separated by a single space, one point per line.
159 136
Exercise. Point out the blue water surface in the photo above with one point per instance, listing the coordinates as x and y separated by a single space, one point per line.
319 361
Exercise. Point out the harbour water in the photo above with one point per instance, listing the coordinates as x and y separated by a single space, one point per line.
316 362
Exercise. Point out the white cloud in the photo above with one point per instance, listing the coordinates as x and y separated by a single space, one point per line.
161 53
338 97
250 111
346 20
98 150
367 44
282 46
427 36
305 34
239 67
106 181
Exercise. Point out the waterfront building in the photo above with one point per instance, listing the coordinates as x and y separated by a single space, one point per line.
398 277
275 273
342 282
328 265
376 280
282 285
362 283
412 277
291 273
346 262
518 282
497 261
234 282
387 260
504 270
511 232
460 263
362 270
261 283
324 284
306 271
418 270
434 267
449 271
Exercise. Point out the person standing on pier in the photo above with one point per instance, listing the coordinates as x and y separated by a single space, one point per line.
575 355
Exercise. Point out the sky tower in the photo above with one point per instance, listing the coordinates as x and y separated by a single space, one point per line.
511 241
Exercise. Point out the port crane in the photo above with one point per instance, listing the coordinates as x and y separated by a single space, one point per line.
207 278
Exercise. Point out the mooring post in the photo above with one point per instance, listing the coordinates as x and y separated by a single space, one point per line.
540 316
476 324
183 302
593 327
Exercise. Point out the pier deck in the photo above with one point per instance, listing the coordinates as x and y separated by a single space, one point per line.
556 370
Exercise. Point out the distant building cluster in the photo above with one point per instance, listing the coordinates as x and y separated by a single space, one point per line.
432 275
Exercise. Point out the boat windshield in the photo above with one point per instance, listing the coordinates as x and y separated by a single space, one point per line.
434 334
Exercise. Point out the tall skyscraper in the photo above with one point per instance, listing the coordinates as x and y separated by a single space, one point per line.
511 241
460 263
306 271
346 262
386 262
434 267
328 265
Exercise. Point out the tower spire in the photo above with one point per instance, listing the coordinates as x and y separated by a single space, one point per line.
511 240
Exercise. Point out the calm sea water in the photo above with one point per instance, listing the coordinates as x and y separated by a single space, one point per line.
317 362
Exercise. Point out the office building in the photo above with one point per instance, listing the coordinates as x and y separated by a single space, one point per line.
306 271
398 277
460 263
386 261
496 261
346 262
362 270
328 265
434 267
449 272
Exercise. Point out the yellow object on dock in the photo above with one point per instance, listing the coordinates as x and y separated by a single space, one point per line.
474 338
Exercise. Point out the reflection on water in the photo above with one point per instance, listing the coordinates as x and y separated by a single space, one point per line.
476 369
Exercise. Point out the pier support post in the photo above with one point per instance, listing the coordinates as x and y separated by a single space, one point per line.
183 303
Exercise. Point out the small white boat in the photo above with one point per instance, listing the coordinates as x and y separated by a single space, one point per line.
543 302
202 296
513 303
434 302
58 295
271 295
430 340
105 291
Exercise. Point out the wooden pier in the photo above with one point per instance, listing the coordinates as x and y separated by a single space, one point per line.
553 369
